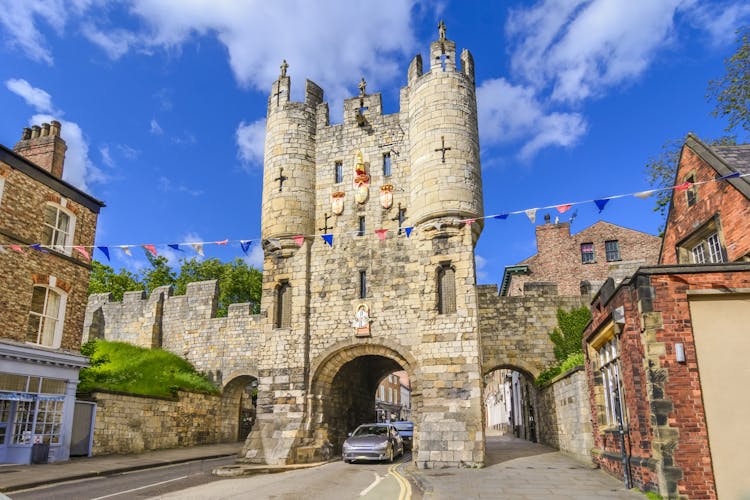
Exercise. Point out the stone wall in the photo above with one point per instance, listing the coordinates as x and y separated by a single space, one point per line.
565 415
134 424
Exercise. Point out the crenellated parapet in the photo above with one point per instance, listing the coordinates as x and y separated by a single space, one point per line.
183 324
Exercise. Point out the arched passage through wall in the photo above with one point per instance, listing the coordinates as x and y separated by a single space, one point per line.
239 396
344 383
510 402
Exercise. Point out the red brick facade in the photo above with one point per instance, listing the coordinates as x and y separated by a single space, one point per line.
648 320
26 191
723 204
559 258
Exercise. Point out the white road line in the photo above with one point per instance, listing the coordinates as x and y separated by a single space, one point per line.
369 488
141 488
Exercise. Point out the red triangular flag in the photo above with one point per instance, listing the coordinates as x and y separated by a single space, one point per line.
224 242
299 240
16 248
381 234
469 222
563 208
682 187
151 249
82 251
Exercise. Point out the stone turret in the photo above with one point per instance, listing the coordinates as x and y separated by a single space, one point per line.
289 161
44 147
445 169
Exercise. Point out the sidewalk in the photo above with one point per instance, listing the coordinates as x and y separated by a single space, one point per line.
15 477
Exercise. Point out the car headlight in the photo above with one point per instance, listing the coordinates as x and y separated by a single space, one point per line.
346 445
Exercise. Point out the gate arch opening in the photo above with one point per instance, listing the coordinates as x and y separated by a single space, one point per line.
239 397
344 386
511 403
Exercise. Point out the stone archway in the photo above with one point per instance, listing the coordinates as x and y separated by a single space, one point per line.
511 401
343 384
239 396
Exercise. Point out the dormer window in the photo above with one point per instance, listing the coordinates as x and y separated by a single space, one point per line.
58 228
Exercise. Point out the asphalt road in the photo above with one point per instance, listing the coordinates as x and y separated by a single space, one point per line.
336 480
146 483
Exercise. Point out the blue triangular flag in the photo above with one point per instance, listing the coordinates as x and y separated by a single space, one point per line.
328 238
730 176
105 251
501 216
245 244
408 231
38 247
601 203
176 246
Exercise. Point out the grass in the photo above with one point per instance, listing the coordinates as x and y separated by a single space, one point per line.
122 367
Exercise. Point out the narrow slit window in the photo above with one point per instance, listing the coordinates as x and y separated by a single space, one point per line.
387 165
283 306
446 289
361 229
362 284
339 172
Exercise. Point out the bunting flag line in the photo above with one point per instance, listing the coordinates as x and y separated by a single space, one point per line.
82 251
151 249
87 250
105 251
600 204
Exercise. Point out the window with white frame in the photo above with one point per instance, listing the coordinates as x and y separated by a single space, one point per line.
46 316
58 228
2 186
708 250
608 361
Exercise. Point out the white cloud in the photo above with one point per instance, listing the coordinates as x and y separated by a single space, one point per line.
250 139
721 23
255 258
510 113
166 185
115 42
155 127
19 20
79 169
480 263
106 156
581 48
35 97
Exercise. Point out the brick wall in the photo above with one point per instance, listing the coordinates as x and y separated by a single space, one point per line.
21 223
558 258
713 198
666 424
134 424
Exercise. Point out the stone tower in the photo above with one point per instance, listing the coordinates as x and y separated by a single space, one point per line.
392 285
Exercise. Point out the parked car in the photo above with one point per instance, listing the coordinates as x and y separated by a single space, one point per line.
373 442
406 431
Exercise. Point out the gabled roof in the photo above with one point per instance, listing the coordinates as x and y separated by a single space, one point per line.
725 160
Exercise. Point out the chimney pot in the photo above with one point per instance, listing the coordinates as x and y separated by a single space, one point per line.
55 127
35 130
26 134
45 129
546 218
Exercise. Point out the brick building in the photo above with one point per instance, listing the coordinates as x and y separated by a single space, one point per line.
666 349
580 263
43 294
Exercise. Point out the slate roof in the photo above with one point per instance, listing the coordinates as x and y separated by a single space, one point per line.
736 157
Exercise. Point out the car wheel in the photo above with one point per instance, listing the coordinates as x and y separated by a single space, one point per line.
389 453
347 461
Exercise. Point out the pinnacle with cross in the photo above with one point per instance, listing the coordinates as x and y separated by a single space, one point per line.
362 86
441 29
283 66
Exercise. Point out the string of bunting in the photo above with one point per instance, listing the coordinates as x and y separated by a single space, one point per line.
198 247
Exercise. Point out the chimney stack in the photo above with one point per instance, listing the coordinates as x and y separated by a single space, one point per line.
44 147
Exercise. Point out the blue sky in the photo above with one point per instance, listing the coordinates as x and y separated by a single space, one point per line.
163 102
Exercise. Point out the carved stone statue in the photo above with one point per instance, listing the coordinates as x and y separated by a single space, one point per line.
362 86
441 29
284 66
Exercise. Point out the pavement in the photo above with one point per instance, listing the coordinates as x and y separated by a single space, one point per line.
514 469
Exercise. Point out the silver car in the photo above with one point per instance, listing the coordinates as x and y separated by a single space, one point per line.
373 442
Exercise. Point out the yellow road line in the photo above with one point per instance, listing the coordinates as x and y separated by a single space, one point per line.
404 485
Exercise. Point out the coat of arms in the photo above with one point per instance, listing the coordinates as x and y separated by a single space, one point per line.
386 196
361 180
337 202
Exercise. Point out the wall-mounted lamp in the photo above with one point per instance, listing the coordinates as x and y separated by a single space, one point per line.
618 315
679 352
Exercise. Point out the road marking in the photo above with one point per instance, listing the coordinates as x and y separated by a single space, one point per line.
141 488
374 483
403 483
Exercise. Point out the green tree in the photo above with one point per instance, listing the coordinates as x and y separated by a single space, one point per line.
732 92
104 279
160 273
568 335
238 282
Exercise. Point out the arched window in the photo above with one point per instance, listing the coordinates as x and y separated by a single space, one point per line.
446 286
283 317
58 228
46 316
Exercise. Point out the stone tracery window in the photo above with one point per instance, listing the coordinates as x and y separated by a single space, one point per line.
446 288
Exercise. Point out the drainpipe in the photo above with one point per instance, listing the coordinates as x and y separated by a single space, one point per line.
621 431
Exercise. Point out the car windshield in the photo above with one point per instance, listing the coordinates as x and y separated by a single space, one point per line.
403 426
371 430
